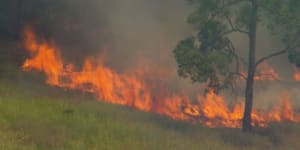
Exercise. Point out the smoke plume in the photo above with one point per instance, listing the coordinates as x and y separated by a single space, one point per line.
135 35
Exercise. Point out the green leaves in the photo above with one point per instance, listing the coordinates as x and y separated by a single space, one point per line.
242 16
283 20
294 57
205 11
211 36
201 66
282 17
191 64
207 57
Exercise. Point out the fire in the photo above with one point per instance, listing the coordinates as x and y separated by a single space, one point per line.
284 112
265 72
296 74
45 57
132 90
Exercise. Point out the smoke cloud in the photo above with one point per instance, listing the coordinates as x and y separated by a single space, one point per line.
141 34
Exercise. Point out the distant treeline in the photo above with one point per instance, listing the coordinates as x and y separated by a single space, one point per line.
45 15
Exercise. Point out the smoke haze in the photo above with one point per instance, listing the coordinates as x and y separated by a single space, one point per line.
141 34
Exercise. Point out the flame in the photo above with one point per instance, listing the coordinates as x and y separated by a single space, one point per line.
296 74
132 90
284 112
264 73
45 57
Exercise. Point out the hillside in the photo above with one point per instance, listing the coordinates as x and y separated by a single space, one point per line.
36 116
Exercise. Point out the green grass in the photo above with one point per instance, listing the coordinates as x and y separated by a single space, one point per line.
36 116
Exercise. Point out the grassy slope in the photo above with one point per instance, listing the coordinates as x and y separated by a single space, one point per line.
36 116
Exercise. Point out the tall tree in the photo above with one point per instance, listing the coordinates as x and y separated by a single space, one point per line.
211 57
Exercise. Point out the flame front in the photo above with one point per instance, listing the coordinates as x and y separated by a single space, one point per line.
131 90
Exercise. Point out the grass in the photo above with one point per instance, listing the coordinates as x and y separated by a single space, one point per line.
36 116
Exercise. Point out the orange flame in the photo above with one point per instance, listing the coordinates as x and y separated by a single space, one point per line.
264 73
296 74
131 90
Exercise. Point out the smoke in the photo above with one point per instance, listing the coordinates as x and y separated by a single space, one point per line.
141 34
146 30
267 93
124 30
129 35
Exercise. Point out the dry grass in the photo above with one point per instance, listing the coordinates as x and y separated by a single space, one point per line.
36 116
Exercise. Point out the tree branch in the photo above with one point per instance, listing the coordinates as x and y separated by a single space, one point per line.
270 56
233 2
233 52
283 51
233 29
236 30
243 76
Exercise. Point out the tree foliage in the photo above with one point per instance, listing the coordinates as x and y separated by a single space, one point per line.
211 57
283 20
208 56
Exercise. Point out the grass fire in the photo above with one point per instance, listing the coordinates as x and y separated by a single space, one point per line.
130 89
150 74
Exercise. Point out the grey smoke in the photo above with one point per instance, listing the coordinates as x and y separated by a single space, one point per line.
142 34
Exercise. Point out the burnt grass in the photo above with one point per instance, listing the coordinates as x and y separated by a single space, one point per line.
34 115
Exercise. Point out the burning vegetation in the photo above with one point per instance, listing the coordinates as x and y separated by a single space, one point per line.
132 90
296 74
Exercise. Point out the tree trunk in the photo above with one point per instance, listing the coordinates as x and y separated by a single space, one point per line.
251 69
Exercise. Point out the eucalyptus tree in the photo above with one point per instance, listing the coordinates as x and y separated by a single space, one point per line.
211 57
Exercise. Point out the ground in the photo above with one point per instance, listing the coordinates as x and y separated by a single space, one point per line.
34 115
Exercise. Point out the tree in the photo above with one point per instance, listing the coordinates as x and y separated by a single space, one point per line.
211 57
